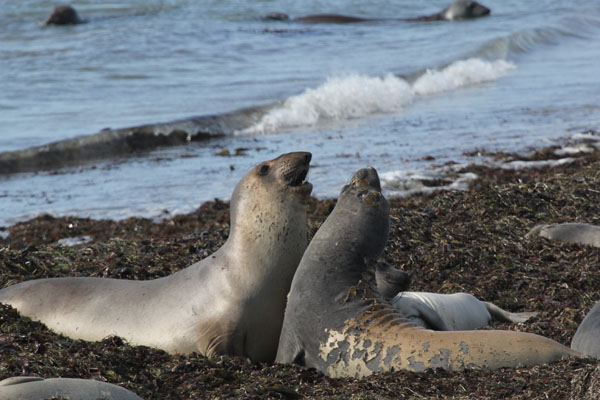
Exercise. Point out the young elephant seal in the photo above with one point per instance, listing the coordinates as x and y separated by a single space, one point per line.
587 337
30 387
232 302
336 322
437 311
570 232
452 312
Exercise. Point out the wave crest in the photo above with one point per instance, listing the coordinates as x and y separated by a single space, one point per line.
355 95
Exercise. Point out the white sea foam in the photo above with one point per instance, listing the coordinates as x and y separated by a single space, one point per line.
356 96
405 182
460 74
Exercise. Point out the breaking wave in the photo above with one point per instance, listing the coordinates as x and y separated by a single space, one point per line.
356 96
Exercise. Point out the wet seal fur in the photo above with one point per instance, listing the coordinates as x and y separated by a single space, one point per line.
64 15
569 232
31 387
587 337
437 311
336 322
231 302
457 10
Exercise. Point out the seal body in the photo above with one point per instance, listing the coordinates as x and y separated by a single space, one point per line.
64 15
569 232
457 10
464 9
587 337
335 320
452 312
231 302
29 387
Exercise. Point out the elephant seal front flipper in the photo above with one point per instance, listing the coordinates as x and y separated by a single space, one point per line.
33 388
335 320
231 302
587 337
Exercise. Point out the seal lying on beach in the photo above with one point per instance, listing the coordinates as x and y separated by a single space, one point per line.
232 302
569 232
64 15
459 9
587 337
30 387
336 322
440 312
452 312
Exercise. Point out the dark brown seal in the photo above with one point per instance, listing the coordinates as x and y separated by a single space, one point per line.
64 15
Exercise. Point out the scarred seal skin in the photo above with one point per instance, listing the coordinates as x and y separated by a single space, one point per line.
33 388
336 322
587 337
231 302
570 232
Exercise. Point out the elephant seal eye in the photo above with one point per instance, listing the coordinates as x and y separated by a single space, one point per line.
263 169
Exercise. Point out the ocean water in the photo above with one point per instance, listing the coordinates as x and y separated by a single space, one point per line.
404 97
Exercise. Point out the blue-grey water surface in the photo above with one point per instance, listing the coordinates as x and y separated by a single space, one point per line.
403 97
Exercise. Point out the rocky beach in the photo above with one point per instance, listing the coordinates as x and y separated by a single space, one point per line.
451 241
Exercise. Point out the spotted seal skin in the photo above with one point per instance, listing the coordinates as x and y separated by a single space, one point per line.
30 388
336 322
458 10
64 15
569 232
231 302
587 337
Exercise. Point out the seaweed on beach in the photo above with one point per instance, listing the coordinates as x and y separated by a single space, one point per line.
471 241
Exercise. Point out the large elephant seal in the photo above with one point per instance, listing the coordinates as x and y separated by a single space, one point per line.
29 388
64 15
458 10
587 337
336 322
569 232
453 312
232 302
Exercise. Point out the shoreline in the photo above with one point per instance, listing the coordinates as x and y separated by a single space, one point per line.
471 241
